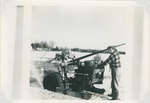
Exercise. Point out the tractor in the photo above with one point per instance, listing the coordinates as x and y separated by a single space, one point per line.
75 77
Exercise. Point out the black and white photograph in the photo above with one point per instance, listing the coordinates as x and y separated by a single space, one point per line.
75 54
65 51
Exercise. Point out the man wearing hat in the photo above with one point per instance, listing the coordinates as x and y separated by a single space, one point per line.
114 62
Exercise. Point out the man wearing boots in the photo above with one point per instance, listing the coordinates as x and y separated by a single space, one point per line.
114 62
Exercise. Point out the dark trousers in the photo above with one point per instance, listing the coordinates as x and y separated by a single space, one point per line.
114 83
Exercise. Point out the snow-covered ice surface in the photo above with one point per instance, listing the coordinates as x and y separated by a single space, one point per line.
39 93
36 77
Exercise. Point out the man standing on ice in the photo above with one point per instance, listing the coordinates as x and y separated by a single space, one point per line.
114 62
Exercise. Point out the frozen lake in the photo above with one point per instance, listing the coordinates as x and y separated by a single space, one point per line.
39 62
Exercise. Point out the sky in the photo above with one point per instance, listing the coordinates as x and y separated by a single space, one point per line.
82 26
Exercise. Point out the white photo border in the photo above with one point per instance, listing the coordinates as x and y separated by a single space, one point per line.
27 4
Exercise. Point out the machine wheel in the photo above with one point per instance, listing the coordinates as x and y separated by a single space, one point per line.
50 82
